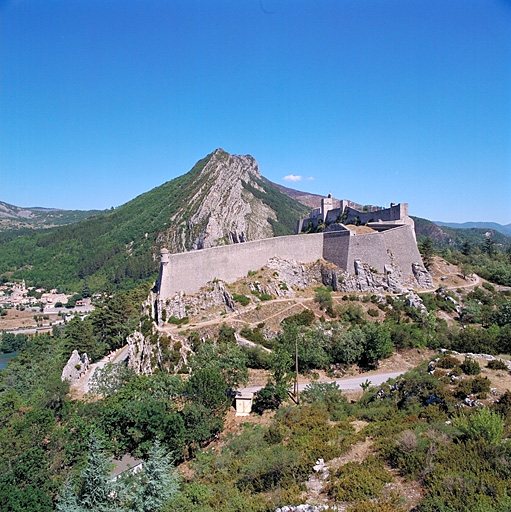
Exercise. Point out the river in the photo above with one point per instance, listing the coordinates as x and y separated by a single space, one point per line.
5 358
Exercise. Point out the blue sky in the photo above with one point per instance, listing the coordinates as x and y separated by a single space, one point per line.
373 101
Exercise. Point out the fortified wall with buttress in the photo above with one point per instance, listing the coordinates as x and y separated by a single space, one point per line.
391 244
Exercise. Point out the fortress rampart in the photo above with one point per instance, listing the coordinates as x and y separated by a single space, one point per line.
189 271
349 213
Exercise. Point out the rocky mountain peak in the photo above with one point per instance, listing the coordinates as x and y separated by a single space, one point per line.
226 205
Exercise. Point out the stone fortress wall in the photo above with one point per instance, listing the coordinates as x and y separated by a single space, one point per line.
349 212
392 248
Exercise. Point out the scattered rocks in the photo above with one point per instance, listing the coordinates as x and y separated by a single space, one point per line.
306 508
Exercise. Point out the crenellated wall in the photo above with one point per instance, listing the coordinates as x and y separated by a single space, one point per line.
189 271
396 213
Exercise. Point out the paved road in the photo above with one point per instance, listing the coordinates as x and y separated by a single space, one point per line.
348 384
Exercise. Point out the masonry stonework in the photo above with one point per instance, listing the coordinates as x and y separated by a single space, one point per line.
188 272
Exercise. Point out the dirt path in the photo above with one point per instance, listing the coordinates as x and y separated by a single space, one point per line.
234 316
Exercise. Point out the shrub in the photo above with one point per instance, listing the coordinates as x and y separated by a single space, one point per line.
242 299
269 398
481 424
488 286
178 321
254 335
304 318
373 312
257 358
328 396
447 362
472 386
497 364
359 481
324 298
470 366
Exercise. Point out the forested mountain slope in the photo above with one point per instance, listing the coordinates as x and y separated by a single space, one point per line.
445 236
223 199
505 230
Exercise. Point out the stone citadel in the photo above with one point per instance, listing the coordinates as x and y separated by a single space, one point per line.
389 248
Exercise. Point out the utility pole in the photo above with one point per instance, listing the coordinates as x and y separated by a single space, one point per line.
297 396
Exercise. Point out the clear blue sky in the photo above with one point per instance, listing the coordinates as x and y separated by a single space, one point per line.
373 101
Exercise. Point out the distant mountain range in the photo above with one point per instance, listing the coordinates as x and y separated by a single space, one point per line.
15 217
505 230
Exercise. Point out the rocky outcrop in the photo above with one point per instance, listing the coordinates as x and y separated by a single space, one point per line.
223 208
143 357
422 276
365 280
75 367
414 301
180 306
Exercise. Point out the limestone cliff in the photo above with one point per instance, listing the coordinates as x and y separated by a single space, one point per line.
228 202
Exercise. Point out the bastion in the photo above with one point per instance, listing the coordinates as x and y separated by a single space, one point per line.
392 246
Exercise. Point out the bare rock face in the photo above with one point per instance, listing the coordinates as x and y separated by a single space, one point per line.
180 306
292 273
75 367
225 209
143 357
365 279
414 301
422 276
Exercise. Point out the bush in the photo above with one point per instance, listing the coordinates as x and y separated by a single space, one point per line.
447 362
269 398
470 366
257 358
359 481
472 387
481 424
497 364
304 318
328 396
324 298
242 299
373 312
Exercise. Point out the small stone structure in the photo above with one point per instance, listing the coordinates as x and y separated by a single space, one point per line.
75 367
244 403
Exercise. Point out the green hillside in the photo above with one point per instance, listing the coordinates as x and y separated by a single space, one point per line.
118 248
454 238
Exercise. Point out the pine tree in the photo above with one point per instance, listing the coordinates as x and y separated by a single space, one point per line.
426 250
158 482
97 491
68 501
